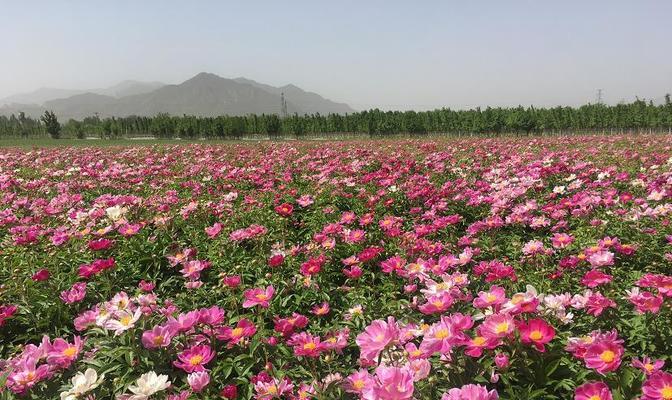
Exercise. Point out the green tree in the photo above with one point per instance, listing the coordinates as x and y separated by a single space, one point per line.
51 124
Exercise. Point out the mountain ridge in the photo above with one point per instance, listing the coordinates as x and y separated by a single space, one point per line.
205 94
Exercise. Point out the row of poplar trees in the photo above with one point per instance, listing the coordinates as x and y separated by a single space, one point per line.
636 116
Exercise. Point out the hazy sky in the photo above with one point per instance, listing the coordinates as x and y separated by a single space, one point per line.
392 54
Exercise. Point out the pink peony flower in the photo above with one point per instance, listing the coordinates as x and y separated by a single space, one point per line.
198 380
494 297
27 374
593 391
75 294
100 244
272 389
392 383
594 278
378 335
359 382
229 392
437 304
497 326
194 358
146 286
536 332
657 386
62 354
561 240
601 258
159 336
214 230
502 360
41 275
6 312
306 345
244 329
284 209
647 365
231 281
276 260
604 356
287 326
258 297
470 392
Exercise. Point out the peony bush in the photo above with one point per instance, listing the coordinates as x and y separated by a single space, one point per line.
519 268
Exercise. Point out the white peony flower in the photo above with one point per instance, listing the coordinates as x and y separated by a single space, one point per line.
82 383
115 213
147 385
125 321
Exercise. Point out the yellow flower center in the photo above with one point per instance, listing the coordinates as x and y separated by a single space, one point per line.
437 303
70 351
237 332
490 297
648 367
196 360
607 356
502 327
126 320
272 389
309 346
536 335
380 337
666 392
442 333
595 397
478 341
29 377
358 384
261 296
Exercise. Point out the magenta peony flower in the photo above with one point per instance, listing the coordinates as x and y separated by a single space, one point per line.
194 358
593 391
258 297
536 332
378 335
470 392
159 336
658 386
604 356
393 383
75 294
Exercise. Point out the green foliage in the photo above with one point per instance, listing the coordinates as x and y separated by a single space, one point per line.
51 124
636 116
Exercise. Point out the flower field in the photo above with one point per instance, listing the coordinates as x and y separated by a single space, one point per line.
519 268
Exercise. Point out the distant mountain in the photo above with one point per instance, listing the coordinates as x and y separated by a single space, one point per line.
205 94
129 88
82 105
42 95
307 102
39 96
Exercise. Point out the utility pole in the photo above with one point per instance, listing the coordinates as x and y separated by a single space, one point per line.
599 96
283 105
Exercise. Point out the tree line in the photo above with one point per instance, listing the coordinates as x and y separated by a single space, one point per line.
636 116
